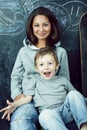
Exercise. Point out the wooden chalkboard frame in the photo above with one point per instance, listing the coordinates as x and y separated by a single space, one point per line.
83 51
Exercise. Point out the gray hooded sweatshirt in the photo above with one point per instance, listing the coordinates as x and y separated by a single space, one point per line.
24 67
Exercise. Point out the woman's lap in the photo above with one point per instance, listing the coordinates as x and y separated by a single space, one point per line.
25 118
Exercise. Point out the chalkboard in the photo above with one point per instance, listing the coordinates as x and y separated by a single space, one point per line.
13 16
12 33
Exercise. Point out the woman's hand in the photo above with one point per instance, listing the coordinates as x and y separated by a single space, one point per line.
8 110
19 96
11 106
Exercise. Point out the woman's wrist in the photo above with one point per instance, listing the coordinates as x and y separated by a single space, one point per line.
19 96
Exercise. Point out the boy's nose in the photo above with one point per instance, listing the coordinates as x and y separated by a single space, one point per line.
46 66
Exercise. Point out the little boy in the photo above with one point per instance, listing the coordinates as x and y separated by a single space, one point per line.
56 99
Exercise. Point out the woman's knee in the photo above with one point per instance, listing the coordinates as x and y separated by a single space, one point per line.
27 111
23 124
24 117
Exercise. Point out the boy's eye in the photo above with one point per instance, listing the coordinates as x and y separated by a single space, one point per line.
41 65
50 63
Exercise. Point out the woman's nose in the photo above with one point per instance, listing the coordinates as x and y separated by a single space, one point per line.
41 28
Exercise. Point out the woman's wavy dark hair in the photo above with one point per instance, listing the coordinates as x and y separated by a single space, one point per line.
54 37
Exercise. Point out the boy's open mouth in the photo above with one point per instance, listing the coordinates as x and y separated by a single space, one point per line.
47 74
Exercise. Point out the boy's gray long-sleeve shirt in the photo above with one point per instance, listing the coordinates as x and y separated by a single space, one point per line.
48 94
24 66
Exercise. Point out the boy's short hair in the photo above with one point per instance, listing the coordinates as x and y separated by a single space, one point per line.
43 51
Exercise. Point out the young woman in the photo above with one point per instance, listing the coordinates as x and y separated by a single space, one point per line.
42 30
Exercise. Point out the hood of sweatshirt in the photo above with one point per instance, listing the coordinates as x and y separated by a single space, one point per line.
30 46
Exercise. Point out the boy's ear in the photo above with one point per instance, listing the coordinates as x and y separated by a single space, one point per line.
57 67
36 68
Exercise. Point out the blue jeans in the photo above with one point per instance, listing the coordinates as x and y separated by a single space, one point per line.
24 118
74 107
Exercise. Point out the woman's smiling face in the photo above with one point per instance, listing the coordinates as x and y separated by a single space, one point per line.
41 27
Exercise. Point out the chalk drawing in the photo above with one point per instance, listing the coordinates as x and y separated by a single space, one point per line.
58 10
11 17
74 10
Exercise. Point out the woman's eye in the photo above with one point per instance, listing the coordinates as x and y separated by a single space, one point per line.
45 25
36 25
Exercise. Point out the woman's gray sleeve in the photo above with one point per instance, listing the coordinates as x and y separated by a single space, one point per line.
64 67
16 77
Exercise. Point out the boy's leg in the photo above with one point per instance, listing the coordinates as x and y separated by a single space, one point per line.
24 118
75 106
51 120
